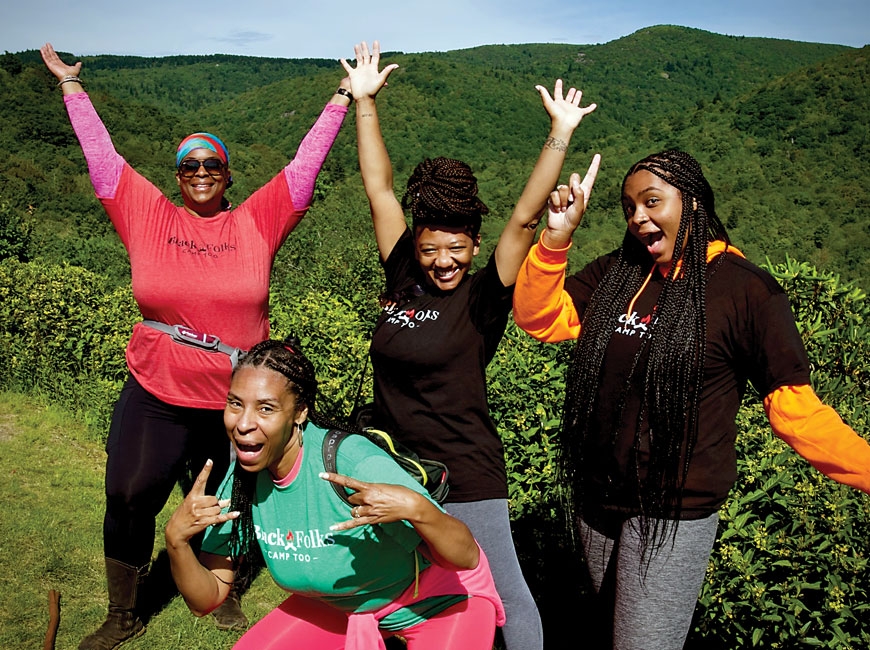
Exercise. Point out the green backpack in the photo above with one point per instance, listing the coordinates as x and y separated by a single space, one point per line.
431 474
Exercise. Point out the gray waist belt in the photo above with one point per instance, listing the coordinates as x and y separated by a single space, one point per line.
187 336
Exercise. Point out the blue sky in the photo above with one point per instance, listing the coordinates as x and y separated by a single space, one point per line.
329 30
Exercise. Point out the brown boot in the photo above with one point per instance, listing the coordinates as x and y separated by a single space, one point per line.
229 615
122 623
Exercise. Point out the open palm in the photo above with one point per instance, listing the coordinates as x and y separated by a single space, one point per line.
365 79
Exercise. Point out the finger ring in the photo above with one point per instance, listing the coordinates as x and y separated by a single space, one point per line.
354 512
561 187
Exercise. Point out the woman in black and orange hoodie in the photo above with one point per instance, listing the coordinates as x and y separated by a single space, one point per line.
670 328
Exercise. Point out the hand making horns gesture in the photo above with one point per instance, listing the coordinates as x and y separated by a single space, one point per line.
377 503
198 511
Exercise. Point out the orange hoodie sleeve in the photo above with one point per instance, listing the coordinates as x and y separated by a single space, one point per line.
816 432
542 307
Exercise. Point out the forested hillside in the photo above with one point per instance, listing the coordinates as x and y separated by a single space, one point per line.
780 126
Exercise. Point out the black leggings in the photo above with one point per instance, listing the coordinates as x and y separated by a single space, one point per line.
152 446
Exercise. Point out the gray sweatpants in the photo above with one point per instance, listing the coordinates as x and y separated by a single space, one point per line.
654 593
489 522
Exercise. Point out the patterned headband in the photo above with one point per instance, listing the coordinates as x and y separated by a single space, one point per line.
202 141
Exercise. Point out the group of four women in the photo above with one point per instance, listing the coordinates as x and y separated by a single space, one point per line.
670 327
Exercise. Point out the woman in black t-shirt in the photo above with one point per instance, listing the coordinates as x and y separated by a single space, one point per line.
441 324
670 328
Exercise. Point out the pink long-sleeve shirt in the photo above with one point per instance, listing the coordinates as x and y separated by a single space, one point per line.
209 274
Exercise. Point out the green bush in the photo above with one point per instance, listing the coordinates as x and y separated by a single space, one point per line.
335 337
16 232
526 389
64 330
790 567
834 320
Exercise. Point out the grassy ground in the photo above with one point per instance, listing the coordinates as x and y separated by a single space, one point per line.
51 488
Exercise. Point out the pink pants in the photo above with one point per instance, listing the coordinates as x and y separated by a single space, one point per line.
304 624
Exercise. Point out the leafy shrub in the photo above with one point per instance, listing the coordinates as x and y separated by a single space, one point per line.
526 389
16 231
335 337
790 566
834 320
64 333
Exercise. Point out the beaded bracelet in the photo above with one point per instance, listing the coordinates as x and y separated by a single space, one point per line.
67 78
345 92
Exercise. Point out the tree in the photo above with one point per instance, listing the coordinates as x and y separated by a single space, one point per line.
16 230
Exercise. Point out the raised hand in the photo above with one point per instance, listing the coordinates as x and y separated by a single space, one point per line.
376 503
567 205
197 512
564 110
56 66
365 79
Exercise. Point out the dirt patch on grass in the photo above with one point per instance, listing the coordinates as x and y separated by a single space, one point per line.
7 427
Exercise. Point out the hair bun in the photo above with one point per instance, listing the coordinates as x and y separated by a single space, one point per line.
443 192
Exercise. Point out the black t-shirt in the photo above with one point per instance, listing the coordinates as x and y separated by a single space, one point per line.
751 337
429 354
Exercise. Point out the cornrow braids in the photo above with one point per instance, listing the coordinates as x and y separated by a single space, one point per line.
674 352
284 357
443 192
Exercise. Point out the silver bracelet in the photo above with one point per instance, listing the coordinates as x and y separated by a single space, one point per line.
69 77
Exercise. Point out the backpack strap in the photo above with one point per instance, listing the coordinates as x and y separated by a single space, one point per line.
330 452
431 474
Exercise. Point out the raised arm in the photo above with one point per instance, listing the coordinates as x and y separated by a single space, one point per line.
565 115
67 75
450 540
542 307
104 163
302 171
374 161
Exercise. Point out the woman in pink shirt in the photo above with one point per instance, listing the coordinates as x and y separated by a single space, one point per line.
200 276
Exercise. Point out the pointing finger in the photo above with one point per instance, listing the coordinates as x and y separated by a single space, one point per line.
591 175
198 488
343 480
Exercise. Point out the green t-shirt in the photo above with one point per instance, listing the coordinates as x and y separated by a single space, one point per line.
357 570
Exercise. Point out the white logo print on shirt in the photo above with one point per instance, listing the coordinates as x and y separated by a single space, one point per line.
631 325
409 318
293 546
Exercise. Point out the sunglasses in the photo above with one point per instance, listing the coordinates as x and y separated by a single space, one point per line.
213 167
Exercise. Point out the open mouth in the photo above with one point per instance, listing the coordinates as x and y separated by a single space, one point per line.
247 453
653 242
